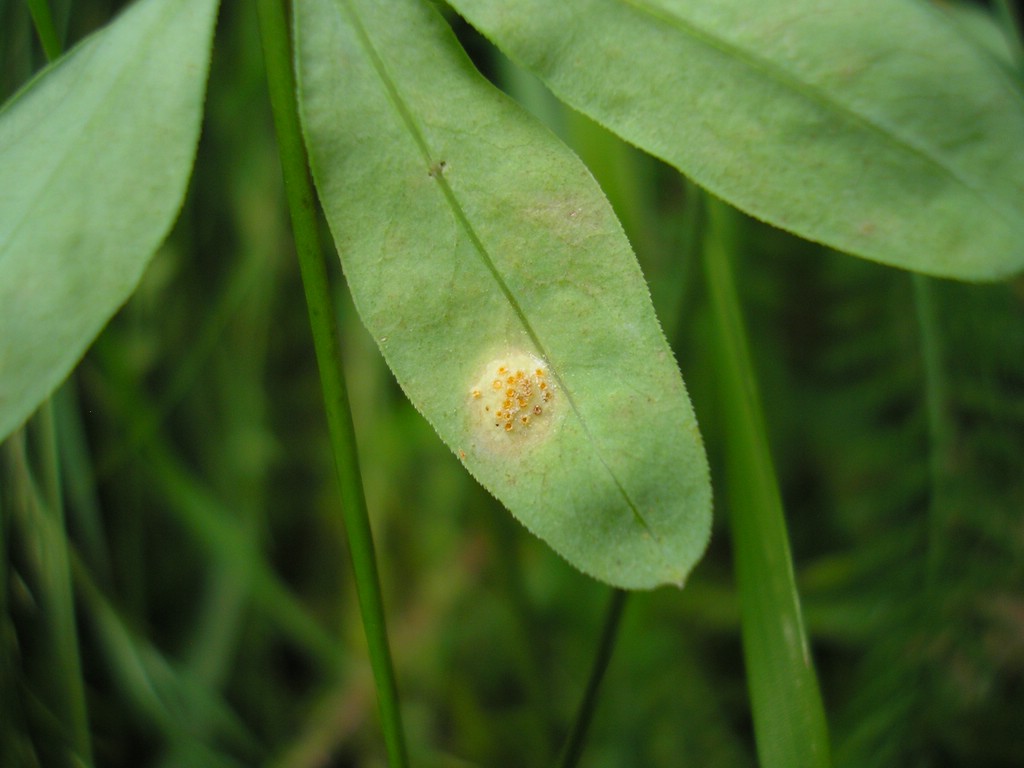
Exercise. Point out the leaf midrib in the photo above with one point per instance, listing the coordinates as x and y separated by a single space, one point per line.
818 96
411 125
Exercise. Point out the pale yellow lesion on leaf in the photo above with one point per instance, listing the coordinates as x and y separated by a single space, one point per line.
513 402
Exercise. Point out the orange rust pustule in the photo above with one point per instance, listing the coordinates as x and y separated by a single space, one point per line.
518 393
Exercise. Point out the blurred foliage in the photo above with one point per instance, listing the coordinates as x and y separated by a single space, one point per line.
217 623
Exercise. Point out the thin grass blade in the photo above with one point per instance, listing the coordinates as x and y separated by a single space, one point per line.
789 717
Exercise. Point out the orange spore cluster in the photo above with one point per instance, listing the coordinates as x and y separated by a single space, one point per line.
515 394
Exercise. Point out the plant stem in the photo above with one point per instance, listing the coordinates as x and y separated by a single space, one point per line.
789 718
578 735
65 630
940 429
43 20
299 191
691 225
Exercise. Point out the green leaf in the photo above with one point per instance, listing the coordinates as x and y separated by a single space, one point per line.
95 155
473 240
873 127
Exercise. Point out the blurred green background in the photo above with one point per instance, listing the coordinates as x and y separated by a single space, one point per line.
216 618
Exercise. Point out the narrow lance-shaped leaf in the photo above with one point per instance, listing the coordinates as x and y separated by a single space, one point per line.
95 155
872 126
503 294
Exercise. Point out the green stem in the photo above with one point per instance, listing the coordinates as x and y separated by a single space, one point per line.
789 718
43 20
691 224
578 735
66 632
940 430
78 480
299 190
